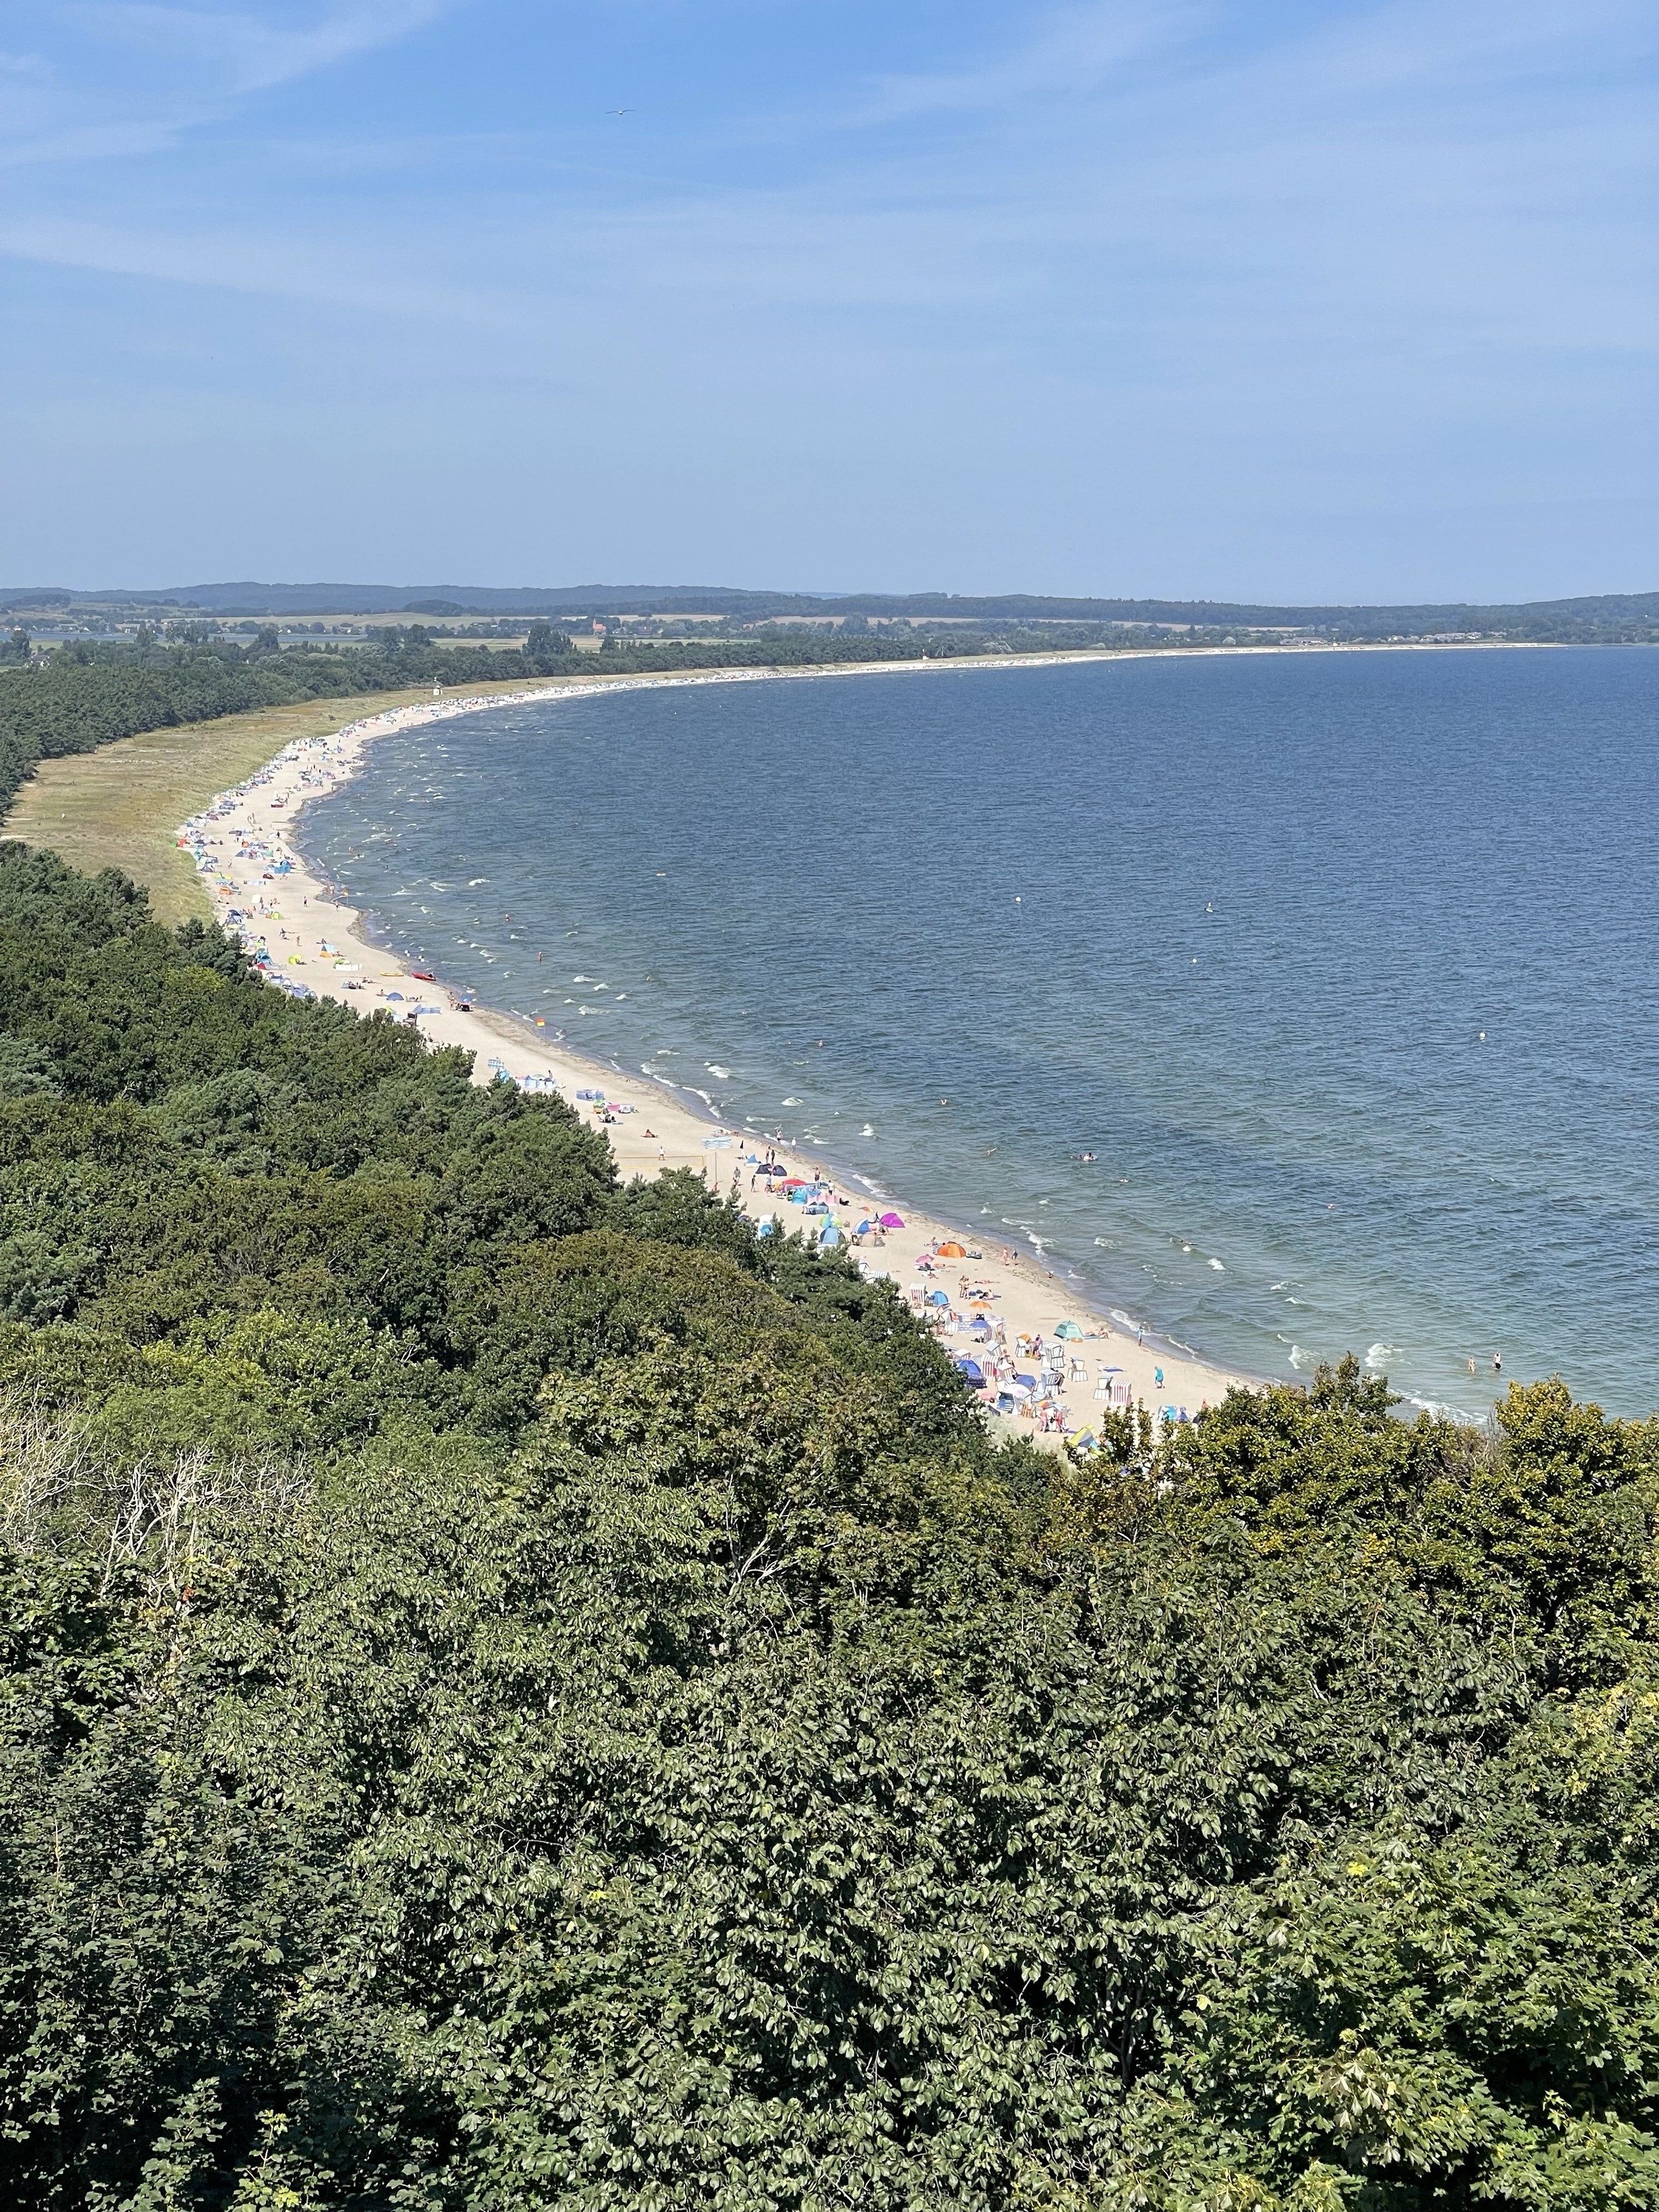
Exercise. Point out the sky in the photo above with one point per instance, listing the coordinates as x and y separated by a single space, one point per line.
1266 299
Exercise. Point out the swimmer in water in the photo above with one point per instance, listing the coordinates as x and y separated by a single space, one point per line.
1497 1363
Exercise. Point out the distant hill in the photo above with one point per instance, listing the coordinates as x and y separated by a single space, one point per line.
1607 615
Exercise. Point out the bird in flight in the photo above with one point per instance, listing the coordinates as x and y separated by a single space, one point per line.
619 110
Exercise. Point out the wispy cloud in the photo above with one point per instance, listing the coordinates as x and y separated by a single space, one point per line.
105 80
1069 53
239 50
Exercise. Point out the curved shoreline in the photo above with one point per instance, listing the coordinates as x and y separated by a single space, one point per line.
324 947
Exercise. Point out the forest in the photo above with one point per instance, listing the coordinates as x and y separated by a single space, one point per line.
88 695
516 1693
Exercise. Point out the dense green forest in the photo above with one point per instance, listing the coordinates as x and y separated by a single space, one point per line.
517 1694
88 695
1591 619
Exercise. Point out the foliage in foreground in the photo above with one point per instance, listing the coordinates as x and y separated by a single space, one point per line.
517 1695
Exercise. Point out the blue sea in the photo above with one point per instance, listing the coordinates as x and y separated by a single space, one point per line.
1345 968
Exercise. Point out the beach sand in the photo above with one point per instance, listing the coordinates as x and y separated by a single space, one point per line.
262 890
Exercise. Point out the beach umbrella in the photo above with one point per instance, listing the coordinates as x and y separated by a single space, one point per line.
982 1325
863 1229
892 1221
952 1252
1068 1329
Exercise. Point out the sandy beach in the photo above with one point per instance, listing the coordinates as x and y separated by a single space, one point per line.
1052 1360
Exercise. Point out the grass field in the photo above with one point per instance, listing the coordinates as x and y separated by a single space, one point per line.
119 807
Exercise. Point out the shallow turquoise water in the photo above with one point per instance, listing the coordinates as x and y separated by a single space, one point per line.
1343 966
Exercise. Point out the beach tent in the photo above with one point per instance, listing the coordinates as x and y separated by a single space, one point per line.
953 1251
981 1325
939 1297
972 1370
1068 1329
829 1233
892 1221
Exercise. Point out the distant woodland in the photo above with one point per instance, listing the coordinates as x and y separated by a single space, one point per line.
85 692
82 696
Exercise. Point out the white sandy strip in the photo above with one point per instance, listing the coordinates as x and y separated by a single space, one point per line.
313 943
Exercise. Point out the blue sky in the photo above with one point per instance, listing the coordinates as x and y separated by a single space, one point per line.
1292 300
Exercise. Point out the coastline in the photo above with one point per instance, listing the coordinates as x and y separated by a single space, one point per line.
316 944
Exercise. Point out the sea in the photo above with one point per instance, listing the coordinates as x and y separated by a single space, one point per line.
1287 1004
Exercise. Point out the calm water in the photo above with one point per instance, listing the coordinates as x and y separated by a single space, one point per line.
1344 968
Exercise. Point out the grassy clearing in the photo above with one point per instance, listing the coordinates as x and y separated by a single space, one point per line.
121 807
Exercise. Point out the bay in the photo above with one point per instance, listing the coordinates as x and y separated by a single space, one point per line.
1341 965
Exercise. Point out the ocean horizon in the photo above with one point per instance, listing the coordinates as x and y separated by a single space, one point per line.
1340 967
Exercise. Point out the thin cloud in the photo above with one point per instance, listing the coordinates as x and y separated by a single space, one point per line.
130 79
1072 52
244 52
